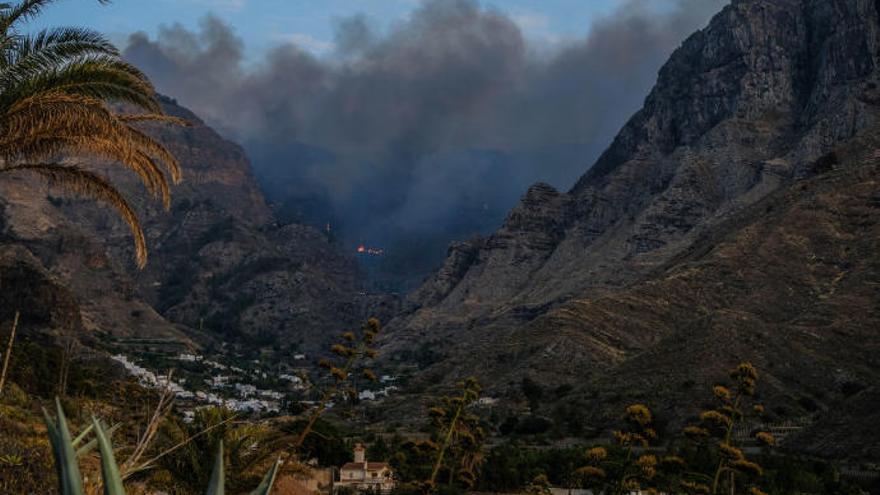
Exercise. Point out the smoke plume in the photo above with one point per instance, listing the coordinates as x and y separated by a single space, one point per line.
432 129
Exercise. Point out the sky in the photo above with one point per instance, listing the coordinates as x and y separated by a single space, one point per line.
263 24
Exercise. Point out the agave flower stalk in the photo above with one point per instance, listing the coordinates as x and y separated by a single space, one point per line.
638 433
340 372
720 424
8 353
454 425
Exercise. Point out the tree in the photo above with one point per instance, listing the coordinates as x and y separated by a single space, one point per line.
55 90
533 392
246 445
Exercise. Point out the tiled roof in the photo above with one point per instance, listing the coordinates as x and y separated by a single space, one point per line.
371 466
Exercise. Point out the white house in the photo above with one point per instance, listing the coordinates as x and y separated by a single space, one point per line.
364 476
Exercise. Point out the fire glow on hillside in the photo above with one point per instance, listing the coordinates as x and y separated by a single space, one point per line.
370 251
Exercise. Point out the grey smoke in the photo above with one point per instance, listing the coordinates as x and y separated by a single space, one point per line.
449 114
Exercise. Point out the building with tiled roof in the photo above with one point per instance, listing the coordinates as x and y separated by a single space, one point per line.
365 476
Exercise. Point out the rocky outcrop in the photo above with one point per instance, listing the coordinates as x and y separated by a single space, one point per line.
741 109
460 257
721 224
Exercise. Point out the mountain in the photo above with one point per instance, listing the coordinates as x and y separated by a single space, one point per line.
221 267
730 219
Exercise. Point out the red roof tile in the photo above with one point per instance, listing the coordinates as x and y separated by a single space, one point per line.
371 466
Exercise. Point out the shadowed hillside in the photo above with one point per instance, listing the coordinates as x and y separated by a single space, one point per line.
731 219
219 261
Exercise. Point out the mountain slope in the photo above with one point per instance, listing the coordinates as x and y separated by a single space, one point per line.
219 261
691 243
740 108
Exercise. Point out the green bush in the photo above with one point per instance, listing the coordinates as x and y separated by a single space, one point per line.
14 396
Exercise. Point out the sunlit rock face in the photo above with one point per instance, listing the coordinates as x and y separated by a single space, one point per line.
602 278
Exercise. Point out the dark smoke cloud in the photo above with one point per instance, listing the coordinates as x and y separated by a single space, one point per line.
436 126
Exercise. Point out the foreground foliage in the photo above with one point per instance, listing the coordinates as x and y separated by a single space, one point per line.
55 86
451 459
247 445
67 450
732 407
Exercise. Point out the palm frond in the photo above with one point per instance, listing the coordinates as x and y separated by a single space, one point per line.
40 128
31 55
152 117
152 148
85 183
70 41
148 171
55 86
100 77
24 11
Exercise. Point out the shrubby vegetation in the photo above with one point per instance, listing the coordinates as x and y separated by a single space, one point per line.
247 446
451 458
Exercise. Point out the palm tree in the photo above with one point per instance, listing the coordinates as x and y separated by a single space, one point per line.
55 89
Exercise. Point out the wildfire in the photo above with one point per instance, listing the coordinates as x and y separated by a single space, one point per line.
370 251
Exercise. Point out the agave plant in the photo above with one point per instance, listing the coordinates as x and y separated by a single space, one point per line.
67 450
55 86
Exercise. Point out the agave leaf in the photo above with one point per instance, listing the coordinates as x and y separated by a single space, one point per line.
90 446
268 480
55 441
82 435
216 486
109 469
71 479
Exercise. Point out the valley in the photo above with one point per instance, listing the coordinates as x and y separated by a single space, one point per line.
703 298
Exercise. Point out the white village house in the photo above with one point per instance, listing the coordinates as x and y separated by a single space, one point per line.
364 476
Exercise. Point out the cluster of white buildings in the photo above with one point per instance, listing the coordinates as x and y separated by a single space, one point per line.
229 388
376 394
248 398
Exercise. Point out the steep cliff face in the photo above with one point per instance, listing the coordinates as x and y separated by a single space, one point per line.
219 262
731 219
742 108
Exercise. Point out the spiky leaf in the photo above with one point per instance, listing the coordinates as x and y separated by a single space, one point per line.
218 477
109 469
268 480
89 446
69 477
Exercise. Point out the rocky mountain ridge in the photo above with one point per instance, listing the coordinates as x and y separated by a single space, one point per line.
740 108
635 278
